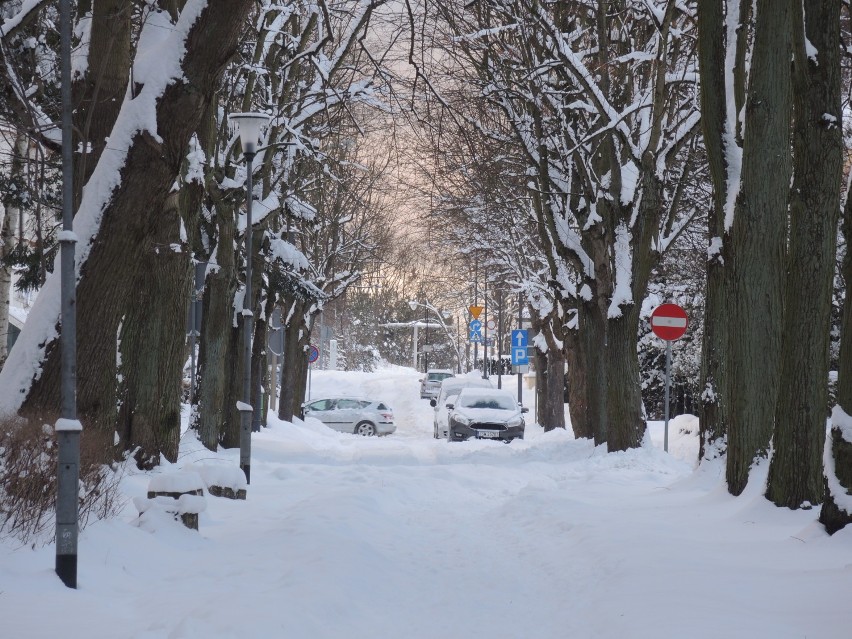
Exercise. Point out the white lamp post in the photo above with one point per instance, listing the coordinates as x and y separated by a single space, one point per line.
249 127
413 306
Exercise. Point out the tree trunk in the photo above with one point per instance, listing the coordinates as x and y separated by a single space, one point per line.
99 93
300 371
834 515
758 240
258 348
722 130
152 339
577 386
553 405
626 422
105 288
540 365
593 342
301 367
626 413
233 391
289 399
216 356
795 473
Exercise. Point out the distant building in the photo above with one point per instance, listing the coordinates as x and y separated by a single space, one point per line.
16 323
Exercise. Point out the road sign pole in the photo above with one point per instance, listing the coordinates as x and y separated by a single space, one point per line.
668 384
520 326
500 339
668 322
485 344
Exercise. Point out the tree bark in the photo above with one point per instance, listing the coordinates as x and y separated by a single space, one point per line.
99 93
711 55
626 421
594 343
795 472
152 339
105 288
258 347
833 516
577 385
289 400
217 354
758 238
553 404
722 133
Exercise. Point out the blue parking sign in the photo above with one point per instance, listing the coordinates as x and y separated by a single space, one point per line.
519 348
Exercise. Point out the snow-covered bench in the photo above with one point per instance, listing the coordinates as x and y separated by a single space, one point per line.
180 493
223 480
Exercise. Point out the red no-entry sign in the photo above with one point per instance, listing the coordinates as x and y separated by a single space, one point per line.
668 321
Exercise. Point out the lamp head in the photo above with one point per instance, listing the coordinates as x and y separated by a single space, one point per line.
249 127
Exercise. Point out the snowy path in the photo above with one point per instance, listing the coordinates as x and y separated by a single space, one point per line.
409 537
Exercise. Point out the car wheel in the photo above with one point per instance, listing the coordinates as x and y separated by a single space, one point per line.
366 429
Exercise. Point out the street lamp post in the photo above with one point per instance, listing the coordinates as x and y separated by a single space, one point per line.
442 316
413 306
68 427
249 126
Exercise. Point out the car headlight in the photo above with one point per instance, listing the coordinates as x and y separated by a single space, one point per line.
514 422
461 419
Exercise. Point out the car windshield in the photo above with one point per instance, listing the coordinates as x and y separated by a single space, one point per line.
437 377
487 401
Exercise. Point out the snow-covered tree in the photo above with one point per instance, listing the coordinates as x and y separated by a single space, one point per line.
773 139
601 102
179 54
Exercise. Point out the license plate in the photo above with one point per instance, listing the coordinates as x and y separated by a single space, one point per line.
488 433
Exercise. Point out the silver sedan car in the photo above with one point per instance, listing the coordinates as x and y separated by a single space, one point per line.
352 415
485 414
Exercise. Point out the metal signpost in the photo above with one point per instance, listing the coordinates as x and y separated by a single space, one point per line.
668 322
475 311
313 355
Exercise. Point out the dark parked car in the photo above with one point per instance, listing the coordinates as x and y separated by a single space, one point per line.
447 392
485 414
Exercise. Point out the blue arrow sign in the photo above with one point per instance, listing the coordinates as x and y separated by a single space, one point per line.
519 348
475 326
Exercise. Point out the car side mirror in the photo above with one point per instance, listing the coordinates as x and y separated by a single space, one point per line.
524 409
433 402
